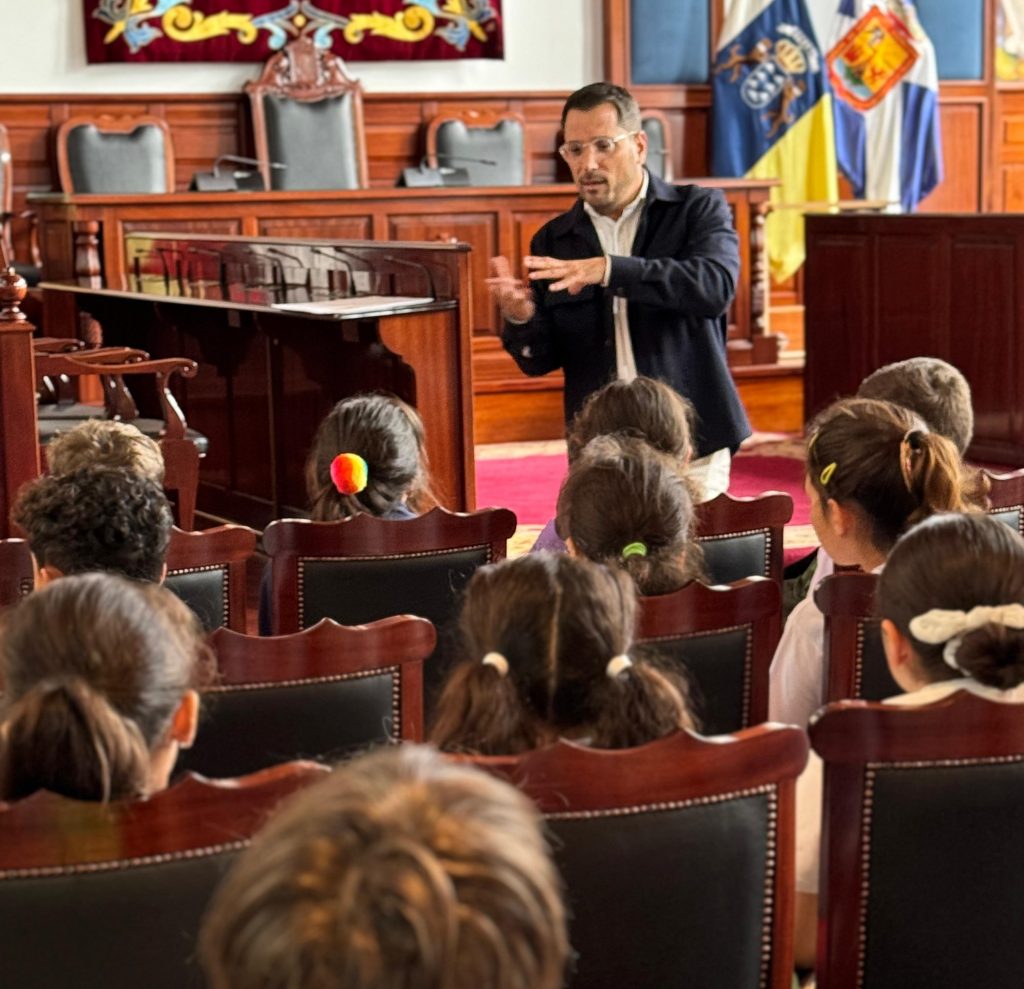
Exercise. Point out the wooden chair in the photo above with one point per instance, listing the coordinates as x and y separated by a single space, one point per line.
108 154
364 568
469 139
111 895
724 638
655 125
677 856
1006 498
855 665
32 271
16 575
181 447
742 537
307 114
207 570
922 876
324 693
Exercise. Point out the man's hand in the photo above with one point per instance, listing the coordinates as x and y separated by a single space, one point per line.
514 298
573 276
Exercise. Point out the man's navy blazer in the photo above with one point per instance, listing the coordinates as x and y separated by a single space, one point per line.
679 283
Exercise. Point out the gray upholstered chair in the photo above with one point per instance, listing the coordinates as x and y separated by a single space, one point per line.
659 137
307 114
115 154
474 139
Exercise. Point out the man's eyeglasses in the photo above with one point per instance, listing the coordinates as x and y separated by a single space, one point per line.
603 146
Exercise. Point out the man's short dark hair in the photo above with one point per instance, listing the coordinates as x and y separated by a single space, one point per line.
590 97
97 518
933 389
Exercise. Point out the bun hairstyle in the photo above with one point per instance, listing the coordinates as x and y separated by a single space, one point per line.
645 408
94 668
956 563
383 462
546 639
880 459
400 870
626 505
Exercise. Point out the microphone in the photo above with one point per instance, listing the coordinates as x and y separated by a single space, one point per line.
234 180
339 254
420 266
475 161
423 176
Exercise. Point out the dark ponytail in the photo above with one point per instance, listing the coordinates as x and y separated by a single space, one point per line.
956 562
642 703
65 737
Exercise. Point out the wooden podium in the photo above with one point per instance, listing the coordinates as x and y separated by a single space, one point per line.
282 328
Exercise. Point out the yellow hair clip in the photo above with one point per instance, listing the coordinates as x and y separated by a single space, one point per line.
826 474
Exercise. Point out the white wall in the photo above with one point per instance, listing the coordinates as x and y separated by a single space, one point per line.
549 45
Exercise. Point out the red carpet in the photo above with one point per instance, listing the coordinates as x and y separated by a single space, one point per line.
529 485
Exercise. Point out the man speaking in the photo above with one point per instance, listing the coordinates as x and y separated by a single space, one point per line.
635 279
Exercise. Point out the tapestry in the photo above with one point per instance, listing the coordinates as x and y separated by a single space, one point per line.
251 30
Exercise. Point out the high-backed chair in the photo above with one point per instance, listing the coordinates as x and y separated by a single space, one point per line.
490 146
326 693
1006 498
16 576
742 537
206 570
111 895
922 877
364 568
31 271
655 125
677 856
115 154
724 637
855 665
307 114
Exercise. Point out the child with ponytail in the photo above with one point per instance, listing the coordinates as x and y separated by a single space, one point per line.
369 456
625 505
547 639
873 470
951 600
99 678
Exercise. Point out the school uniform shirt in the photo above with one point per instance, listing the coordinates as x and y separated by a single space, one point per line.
810 785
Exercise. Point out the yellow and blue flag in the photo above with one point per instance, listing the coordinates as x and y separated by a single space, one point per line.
772 115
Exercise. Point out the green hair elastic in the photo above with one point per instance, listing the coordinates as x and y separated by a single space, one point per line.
633 549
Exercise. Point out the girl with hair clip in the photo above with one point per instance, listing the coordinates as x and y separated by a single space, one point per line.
626 505
100 677
547 640
873 470
401 870
643 408
369 456
951 600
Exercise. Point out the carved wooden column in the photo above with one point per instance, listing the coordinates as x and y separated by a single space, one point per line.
19 443
88 265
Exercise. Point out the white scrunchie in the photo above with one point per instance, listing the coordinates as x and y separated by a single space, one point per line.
617 665
499 662
943 625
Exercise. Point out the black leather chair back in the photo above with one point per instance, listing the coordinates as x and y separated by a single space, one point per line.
946 911
688 881
250 727
105 928
717 666
657 151
733 557
205 591
116 162
876 682
1013 517
316 141
458 146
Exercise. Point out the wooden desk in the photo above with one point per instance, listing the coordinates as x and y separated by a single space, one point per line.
82 237
881 288
267 376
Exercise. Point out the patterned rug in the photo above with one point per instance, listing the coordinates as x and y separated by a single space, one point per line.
525 477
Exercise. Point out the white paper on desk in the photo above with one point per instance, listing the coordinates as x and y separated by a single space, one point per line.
355 304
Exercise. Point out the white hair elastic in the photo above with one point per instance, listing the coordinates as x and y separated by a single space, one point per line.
950 626
617 665
499 662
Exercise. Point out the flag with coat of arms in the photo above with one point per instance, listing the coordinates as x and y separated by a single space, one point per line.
886 82
772 115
